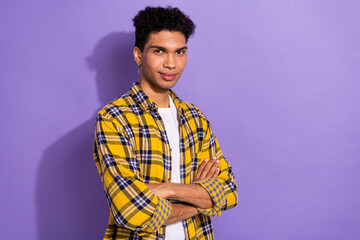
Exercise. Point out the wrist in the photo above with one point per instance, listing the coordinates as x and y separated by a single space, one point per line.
172 189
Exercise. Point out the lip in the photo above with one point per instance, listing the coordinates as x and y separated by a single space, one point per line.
167 76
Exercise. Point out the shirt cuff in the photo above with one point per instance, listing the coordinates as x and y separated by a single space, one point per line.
217 193
161 213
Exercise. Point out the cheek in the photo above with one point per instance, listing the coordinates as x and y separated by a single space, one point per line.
150 66
154 64
182 63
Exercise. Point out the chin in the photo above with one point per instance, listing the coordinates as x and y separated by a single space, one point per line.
166 85
171 84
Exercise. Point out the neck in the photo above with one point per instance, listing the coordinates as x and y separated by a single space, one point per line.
159 96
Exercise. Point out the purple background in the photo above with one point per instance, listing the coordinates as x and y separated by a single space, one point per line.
278 80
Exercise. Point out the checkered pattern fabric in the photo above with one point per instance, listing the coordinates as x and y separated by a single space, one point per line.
131 149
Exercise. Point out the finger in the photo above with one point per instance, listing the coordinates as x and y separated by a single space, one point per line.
207 168
216 173
213 168
201 168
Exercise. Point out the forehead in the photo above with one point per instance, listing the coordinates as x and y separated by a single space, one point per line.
167 39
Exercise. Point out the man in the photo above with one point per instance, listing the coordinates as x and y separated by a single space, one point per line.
163 172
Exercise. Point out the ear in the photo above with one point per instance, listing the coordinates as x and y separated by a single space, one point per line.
137 56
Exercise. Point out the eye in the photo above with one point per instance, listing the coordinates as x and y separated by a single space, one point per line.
180 52
158 51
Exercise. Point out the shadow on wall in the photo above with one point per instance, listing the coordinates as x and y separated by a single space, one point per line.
70 201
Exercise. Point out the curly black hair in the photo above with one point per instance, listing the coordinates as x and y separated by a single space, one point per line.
156 19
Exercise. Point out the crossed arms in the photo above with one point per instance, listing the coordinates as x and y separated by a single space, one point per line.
144 208
193 194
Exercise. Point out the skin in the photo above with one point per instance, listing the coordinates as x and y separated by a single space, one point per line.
162 62
180 211
164 54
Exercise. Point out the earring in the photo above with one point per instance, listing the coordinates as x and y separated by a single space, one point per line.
138 70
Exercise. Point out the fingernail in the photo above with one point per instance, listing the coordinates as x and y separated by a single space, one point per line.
218 169
206 160
217 161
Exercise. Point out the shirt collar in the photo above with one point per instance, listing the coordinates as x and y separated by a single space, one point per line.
146 103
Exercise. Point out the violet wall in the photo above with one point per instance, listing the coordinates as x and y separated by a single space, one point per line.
278 80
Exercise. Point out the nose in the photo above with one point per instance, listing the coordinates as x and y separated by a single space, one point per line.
170 61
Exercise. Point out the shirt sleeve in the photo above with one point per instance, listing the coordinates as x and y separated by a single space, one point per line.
222 189
131 203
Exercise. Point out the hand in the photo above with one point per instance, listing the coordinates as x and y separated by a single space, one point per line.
208 169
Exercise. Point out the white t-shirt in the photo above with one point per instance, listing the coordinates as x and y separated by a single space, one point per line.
174 231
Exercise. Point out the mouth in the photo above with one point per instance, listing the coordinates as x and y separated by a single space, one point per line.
168 76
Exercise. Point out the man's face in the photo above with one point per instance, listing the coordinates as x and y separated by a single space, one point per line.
163 60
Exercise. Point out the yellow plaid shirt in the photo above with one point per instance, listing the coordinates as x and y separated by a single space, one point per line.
131 148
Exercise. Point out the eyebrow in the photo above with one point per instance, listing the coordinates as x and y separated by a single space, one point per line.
164 49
